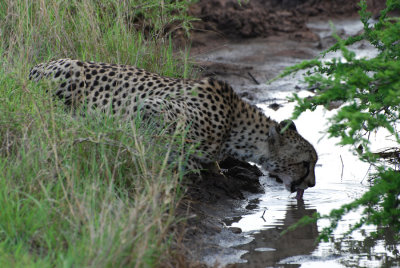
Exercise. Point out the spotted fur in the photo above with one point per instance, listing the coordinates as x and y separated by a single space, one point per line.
222 123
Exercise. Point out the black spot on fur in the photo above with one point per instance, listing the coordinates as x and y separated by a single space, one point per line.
71 87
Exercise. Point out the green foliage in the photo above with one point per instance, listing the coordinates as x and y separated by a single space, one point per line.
132 32
86 191
369 89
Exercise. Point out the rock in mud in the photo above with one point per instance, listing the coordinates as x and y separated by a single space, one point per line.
235 230
237 177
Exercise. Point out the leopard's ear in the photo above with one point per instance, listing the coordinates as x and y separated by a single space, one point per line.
274 136
287 124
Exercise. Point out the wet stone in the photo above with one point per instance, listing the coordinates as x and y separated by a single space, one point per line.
251 206
235 230
274 106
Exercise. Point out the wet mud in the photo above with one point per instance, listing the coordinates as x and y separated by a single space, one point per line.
235 178
226 20
212 199
260 18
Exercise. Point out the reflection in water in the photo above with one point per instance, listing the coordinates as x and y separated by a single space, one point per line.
299 248
379 251
269 247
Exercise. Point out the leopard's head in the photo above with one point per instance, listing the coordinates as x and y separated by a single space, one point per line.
290 158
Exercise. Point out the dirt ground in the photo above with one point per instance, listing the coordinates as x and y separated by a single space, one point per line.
261 18
208 202
223 20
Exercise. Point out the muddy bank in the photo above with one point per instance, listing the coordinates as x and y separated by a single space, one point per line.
224 21
236 177
270 23
261 18
211 200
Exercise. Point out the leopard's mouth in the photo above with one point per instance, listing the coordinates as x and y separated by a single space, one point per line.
292 187
300 193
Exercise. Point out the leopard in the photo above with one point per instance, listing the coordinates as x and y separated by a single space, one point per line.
219 121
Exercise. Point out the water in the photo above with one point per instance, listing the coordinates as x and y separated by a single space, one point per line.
341 176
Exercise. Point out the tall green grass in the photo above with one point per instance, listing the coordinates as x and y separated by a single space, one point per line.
85 191
120 31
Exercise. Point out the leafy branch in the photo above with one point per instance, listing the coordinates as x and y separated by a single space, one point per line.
369 89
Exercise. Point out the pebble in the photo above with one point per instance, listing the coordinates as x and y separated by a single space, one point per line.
235 230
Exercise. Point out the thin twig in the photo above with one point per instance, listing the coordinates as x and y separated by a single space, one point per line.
254 79
341 176
262 216
369 168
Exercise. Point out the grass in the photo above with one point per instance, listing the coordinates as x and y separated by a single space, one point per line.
85 191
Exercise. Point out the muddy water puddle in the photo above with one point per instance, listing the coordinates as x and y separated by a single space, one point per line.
341 177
